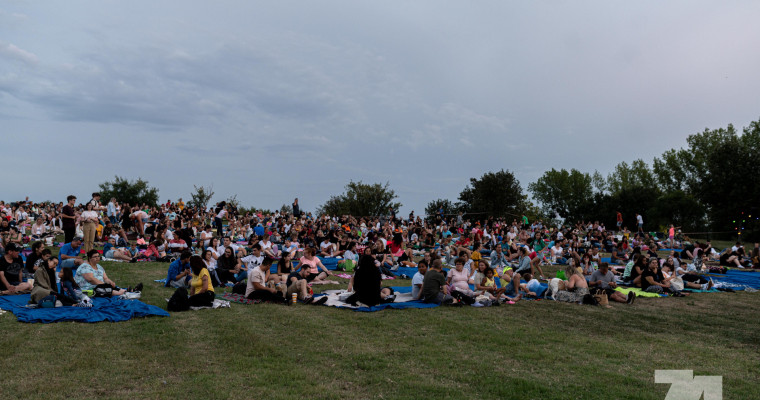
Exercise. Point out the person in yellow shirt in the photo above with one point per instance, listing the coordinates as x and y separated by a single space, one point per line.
180 204
201 289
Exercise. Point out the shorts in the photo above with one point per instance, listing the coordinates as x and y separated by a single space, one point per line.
532 255
311 277
109 253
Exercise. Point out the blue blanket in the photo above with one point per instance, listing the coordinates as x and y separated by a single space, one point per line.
397 306
112 310
738 279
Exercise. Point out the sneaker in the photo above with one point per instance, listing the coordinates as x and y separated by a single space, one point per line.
631 297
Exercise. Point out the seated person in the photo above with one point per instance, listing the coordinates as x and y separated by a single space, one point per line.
604 279
434 287
418 279
268 248
201 289
179 273
652 279
68 256
458 278
91 276
39 230
177 245
575 286
12 271
366 283
257 287
488 284
45 284
297 283
314 264
229 268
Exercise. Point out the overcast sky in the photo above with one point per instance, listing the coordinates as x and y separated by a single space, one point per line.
282 99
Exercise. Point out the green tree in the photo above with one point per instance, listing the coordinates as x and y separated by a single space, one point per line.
719 168
133 192
201 196
496 194
637 175
361 199
564 192
449 208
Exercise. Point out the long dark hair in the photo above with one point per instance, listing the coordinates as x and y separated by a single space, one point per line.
197 264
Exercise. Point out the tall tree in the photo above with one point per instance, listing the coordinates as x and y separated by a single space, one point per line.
625 176
361 199
201 196
496 194
564 192
719 168
432 208
135 192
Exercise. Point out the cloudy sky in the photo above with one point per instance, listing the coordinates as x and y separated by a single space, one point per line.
282 99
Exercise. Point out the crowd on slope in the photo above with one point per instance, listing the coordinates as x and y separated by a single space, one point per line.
494 259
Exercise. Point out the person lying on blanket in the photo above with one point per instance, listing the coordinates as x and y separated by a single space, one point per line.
111 251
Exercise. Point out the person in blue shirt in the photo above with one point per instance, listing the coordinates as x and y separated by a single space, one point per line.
68 256
179 271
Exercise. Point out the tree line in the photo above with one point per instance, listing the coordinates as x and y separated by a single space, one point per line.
711 184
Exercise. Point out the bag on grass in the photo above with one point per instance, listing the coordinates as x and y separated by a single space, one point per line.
589 299
601 297
179 301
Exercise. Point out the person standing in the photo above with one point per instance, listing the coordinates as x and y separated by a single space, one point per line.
640 222
619 218
90 226
221 213
69 219
296 209
111 211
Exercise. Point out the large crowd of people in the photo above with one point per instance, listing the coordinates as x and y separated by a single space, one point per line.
494 259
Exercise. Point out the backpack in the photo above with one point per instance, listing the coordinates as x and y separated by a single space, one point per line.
179 300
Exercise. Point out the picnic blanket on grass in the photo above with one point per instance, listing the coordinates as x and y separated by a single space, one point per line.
236 298
639 292
403 300
103 309
738 279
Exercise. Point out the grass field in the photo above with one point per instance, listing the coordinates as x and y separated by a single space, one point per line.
530 350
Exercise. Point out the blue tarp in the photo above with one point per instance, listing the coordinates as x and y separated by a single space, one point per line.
397 306
738 279
112 310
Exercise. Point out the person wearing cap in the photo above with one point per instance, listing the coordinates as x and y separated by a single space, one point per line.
69 219
68 256
11 269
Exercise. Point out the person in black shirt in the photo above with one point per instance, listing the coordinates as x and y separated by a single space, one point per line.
11 268
652 280
69 219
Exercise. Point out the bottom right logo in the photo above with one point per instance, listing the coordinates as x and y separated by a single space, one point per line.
686 386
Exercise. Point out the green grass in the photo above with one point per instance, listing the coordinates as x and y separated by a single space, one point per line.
533 349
